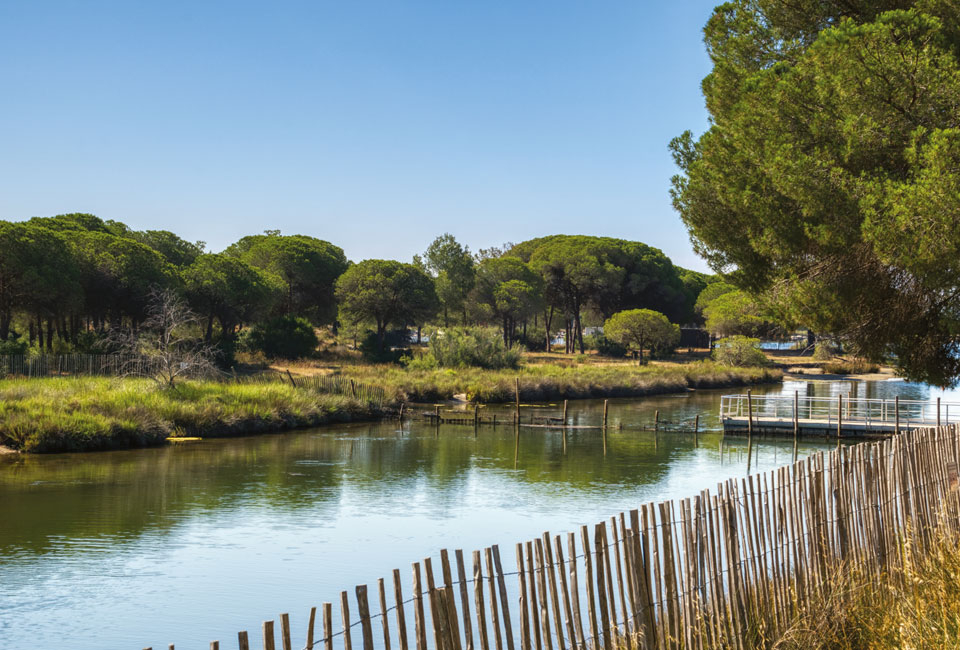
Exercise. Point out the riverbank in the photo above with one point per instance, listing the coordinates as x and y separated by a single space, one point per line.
92 414
548 382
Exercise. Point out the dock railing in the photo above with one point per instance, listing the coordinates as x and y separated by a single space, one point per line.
870 413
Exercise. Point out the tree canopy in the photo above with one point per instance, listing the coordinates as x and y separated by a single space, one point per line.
829 178
385 293
641 328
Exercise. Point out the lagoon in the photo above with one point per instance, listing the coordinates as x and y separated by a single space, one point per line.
190 543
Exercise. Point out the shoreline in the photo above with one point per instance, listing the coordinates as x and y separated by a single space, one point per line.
115 415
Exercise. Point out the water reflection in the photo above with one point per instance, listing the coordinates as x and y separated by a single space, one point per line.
190 543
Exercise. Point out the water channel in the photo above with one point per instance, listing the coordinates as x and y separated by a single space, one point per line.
194 542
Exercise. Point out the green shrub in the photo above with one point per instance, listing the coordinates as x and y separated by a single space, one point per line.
13 346
287 337
473 347
825 350
605 347
741 351
852 367
396 346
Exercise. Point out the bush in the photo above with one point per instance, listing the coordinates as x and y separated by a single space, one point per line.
13 346
605 347
852 367
476 347
396 346
741 351
825 350
287 337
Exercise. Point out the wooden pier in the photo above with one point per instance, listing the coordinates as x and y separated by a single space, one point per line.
840 416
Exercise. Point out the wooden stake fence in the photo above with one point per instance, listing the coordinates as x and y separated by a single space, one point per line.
726 569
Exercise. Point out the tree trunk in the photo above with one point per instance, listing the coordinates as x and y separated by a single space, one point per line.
33 332
506 340
547 319
4 326
579 327
381 334
50 329
39 333
209 335
419 334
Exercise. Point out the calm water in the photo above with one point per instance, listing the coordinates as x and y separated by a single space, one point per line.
192 543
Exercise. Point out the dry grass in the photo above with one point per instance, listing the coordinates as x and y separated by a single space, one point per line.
916 608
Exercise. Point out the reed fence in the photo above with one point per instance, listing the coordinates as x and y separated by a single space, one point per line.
726 569
54 365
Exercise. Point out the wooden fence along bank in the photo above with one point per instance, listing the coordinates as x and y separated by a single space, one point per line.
723 569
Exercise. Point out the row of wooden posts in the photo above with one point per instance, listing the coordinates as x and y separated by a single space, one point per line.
724 569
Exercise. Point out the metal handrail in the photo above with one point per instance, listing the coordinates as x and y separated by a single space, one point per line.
868 411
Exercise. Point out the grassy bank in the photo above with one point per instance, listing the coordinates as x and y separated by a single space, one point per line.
551 381
84 414
918 607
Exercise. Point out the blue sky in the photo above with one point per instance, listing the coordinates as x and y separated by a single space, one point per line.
374 125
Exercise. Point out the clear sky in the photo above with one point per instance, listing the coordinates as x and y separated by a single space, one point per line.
376 125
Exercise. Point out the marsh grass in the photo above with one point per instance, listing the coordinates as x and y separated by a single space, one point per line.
553 381
916 607
82 414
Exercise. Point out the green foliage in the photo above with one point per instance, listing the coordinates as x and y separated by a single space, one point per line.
452 267
510 290
286 337
642 328
831 170
231 291
733 312
307 267
606 347
739 351
473 347
176 251
13 346
825 350
385 293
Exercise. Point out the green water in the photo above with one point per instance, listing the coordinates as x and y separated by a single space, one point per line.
186 544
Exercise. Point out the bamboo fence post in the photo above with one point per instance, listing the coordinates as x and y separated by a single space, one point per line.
551 580
565 592
448 585
401 615
363 611
938 412
839 414
345 618
478 602
328 626
532 594
384 619
310 626
419 623
588 570
268 637
575 592
492 589
504 601
285 632
464 600
524 617
543 599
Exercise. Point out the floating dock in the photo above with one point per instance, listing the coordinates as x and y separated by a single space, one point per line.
839 416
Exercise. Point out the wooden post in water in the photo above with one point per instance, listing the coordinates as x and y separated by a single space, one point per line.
604 414
696 430
896 411
656 420
564 414
476 415
749 413
839 413
517 393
